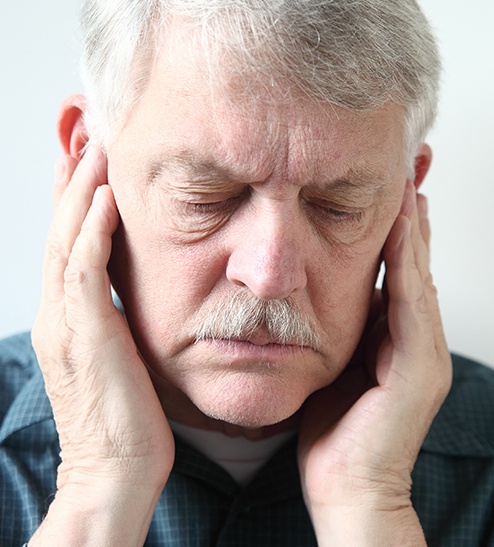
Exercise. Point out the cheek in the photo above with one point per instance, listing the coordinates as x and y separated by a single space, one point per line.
162 260
345 288
162 294
159 271
341 291
162 282
162 285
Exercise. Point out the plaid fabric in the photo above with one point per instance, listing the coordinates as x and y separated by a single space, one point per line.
201 505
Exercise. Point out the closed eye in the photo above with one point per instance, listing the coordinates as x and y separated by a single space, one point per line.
202 207
336 213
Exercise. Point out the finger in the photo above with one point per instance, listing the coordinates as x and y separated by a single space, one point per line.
420 230
420 245
86 282
90 173
415 363
409 320
415 208
425 227
72 208
414 318
64 170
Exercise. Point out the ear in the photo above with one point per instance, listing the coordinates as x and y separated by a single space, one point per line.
423 161
72 132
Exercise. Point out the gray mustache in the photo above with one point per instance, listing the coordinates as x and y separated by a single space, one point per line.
242 314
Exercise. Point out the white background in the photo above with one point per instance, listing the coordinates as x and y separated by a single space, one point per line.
38 67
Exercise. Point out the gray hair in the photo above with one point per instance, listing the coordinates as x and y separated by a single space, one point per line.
356 54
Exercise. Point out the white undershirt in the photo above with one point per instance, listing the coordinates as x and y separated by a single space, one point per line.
240 457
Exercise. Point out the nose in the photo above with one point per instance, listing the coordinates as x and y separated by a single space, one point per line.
269 254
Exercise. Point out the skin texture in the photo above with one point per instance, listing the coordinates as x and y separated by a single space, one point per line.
281 218
201 196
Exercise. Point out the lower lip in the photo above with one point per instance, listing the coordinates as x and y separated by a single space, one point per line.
239 348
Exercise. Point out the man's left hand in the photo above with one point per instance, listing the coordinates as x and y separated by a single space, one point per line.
360 436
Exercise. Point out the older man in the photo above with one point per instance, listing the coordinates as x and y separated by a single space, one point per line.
238 173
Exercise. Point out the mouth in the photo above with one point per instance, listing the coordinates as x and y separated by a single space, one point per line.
246 351
245 321
258 345
262 339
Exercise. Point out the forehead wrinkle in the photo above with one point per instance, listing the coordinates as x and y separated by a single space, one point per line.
357 187
200 168
359 181
187 164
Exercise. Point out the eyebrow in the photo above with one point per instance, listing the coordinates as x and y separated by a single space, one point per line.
360 182
197 167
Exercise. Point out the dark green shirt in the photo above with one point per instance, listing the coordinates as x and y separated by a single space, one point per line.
201 505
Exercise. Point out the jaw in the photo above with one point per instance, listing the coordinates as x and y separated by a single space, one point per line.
254 395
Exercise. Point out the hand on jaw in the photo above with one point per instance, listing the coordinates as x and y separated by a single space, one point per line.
360 437
117 449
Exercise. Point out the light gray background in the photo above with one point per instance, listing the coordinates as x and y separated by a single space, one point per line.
38 68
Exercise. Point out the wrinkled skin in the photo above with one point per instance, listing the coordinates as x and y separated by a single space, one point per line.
210 196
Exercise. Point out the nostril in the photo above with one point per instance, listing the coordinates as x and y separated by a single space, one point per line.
266 279
268 257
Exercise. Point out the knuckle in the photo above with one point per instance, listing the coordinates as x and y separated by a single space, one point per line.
56 252
80 268
429 283
75 278
416 298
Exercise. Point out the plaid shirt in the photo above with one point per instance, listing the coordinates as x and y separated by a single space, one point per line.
201 505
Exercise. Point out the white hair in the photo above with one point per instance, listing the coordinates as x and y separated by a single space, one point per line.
356 54
241 314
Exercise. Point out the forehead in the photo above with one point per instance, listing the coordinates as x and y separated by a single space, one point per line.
187 115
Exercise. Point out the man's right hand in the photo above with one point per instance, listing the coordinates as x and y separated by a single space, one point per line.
117 449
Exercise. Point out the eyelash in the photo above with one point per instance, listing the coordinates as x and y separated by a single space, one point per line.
338 215
334 214
213 207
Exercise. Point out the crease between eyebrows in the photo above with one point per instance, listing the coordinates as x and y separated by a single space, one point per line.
199 171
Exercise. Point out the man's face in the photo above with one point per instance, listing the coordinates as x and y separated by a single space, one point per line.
282 200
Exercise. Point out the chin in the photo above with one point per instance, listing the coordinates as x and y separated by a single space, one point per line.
250 401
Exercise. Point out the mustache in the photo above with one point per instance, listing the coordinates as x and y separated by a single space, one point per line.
240 315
